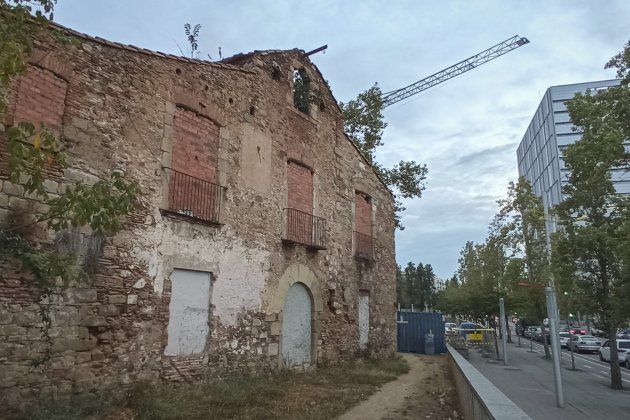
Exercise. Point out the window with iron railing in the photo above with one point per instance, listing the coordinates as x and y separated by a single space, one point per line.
193 198
363 246
303 228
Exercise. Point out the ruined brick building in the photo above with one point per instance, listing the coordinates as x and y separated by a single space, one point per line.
262 238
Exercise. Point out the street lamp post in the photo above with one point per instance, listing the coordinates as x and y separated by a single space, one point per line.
502 317
552 314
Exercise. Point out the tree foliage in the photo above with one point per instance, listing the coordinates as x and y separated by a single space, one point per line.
591 250
364 123
416 286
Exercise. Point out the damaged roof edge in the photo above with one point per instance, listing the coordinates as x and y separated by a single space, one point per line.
140 50
225 64
247 56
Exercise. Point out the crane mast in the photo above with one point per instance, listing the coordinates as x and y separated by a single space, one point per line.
455 70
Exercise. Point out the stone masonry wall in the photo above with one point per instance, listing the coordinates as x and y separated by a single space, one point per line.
119 113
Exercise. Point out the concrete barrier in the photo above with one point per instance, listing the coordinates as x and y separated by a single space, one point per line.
479 398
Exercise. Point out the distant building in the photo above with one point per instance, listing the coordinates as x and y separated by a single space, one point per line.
540 153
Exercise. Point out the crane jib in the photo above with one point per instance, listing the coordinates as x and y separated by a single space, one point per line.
463 66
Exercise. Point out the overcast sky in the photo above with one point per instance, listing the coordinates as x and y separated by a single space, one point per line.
465 130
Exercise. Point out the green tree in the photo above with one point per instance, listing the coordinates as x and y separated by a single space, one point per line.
590 251
520 225
364 123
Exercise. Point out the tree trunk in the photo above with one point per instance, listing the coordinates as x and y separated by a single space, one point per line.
507 329
615 369
544 341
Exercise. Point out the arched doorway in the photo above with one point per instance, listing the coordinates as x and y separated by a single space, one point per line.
296 326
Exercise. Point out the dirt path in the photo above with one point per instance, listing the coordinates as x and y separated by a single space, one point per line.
426 392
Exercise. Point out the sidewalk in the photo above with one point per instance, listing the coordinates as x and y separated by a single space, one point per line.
528 381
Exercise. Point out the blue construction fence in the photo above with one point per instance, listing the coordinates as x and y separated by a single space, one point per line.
412 329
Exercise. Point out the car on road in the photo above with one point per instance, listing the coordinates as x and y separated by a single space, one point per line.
564 338
450 328
623 350
532 331
580 343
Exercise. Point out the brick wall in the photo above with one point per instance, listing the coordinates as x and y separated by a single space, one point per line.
40 98
363 213
299 187
195 149
300 197
195 156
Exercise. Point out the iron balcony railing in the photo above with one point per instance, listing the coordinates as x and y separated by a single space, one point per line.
193 198
363 246
305 229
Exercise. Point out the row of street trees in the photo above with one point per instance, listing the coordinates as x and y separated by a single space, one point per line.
415 286
589 259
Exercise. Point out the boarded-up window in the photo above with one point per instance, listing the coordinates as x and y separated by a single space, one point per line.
40 98
188 312
192 180
363 241
364 318
300 203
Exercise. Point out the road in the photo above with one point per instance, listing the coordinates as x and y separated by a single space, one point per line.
528 381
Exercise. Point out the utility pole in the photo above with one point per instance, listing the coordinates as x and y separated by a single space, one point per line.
552 315
501 319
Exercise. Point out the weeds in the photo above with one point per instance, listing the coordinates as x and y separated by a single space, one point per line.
319 394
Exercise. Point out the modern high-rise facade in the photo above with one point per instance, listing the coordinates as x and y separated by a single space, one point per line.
540 153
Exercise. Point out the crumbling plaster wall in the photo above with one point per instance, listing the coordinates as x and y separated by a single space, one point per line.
119 115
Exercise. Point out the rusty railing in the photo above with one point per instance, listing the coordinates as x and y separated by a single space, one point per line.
303 228
193 198
363 246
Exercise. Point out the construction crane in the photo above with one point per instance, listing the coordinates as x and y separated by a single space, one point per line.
455 70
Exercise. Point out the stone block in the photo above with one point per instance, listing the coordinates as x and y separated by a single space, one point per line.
117 299
276 328
73 344
4 200
12 189
93 321
81 295
80 123
256 322
132 299
26 318
51 186
272 349
109 310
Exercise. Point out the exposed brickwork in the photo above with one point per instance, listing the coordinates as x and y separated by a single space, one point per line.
363 213
300 198
196 145
299 187
195 156
40 99
121 113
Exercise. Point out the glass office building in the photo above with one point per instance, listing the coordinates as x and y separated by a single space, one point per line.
540 153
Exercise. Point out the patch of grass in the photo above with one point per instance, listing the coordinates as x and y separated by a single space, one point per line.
76 407
319 394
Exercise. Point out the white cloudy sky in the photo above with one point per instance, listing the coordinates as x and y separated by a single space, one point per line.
465 130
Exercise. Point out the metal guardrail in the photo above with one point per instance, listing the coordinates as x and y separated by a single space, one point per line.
304 229
363 246
193 198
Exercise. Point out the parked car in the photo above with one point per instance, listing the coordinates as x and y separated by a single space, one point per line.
532 332
564 339
623 350
580 343
577 330
450 328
